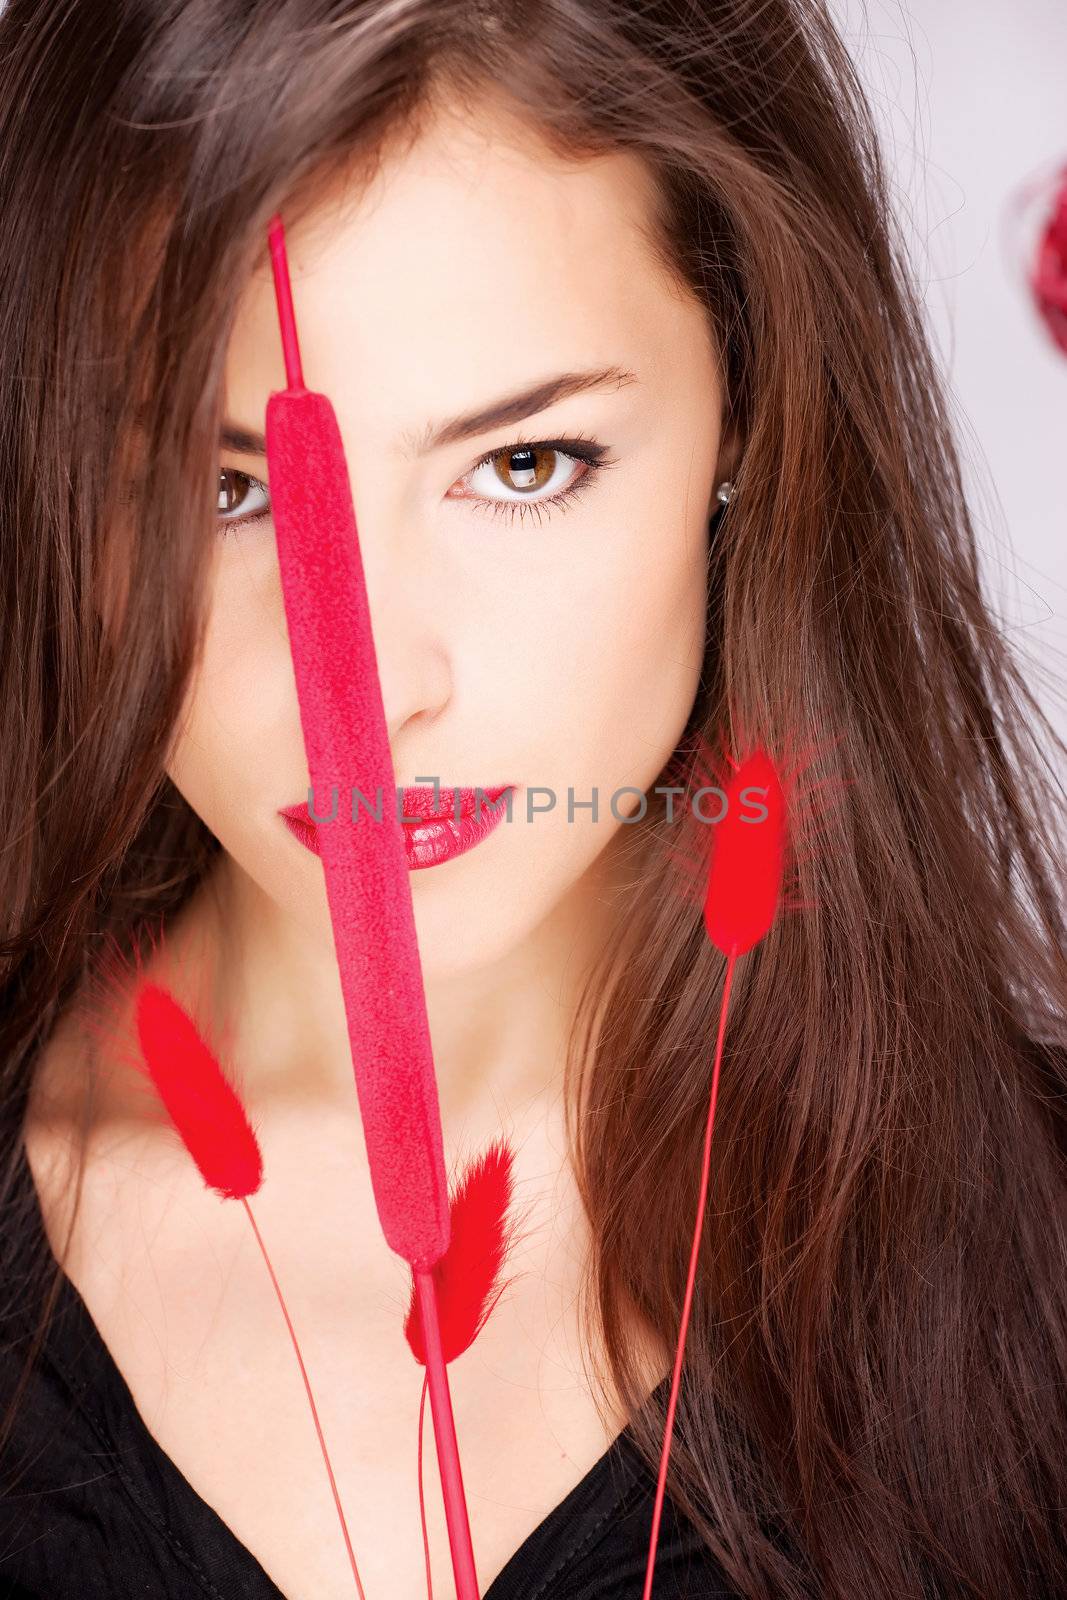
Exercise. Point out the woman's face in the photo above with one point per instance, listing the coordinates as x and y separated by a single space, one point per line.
538 620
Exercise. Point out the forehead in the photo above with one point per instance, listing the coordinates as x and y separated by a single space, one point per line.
474 261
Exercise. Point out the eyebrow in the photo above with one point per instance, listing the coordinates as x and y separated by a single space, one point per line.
497 414
516 407
241 440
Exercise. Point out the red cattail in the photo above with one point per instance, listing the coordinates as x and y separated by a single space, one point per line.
751 826
741 899
342 716
207 1112
466 1276
346 739
747 858
202 1104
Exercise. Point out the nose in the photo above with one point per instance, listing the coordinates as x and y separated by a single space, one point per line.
407 622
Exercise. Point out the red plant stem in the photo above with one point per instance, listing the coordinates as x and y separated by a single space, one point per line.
422 1497
311 1398
698 1230
294 372
444 1427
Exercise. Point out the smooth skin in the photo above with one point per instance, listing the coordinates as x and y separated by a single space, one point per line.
560 649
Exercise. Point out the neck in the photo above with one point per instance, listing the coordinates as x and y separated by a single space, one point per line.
270 991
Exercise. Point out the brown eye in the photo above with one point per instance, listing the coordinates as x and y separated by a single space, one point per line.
529 467
241 498
232 489
539 475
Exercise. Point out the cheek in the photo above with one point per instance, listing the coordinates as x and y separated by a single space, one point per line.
631 669
237 719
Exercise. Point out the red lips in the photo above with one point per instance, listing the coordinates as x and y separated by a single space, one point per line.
438 824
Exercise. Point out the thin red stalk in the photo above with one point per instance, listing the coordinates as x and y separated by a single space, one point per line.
422 1496
294 373
444 1425
311 1397
697 1231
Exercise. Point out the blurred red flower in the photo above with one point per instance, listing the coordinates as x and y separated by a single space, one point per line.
1049 278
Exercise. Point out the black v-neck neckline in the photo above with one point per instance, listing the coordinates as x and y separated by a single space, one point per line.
163 1494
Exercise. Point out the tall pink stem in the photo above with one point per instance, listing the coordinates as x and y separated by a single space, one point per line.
694 1254
444 1427
422 1496
294 372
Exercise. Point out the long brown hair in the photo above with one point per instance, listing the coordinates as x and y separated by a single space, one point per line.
875 1394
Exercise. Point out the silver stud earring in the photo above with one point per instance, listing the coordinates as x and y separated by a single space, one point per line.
724 493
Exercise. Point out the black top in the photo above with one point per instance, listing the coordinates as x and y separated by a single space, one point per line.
99 1511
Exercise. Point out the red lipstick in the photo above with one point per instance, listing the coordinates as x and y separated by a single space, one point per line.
438 825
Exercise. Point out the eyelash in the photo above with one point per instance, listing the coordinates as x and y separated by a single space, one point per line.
581 447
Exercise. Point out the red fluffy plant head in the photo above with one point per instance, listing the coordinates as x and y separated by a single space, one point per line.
747 858
1049 275
741 844
467 1276
107 1010
202 1104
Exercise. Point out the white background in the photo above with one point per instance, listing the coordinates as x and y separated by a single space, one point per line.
971 97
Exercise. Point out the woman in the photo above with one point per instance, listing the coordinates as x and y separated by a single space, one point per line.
644 436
